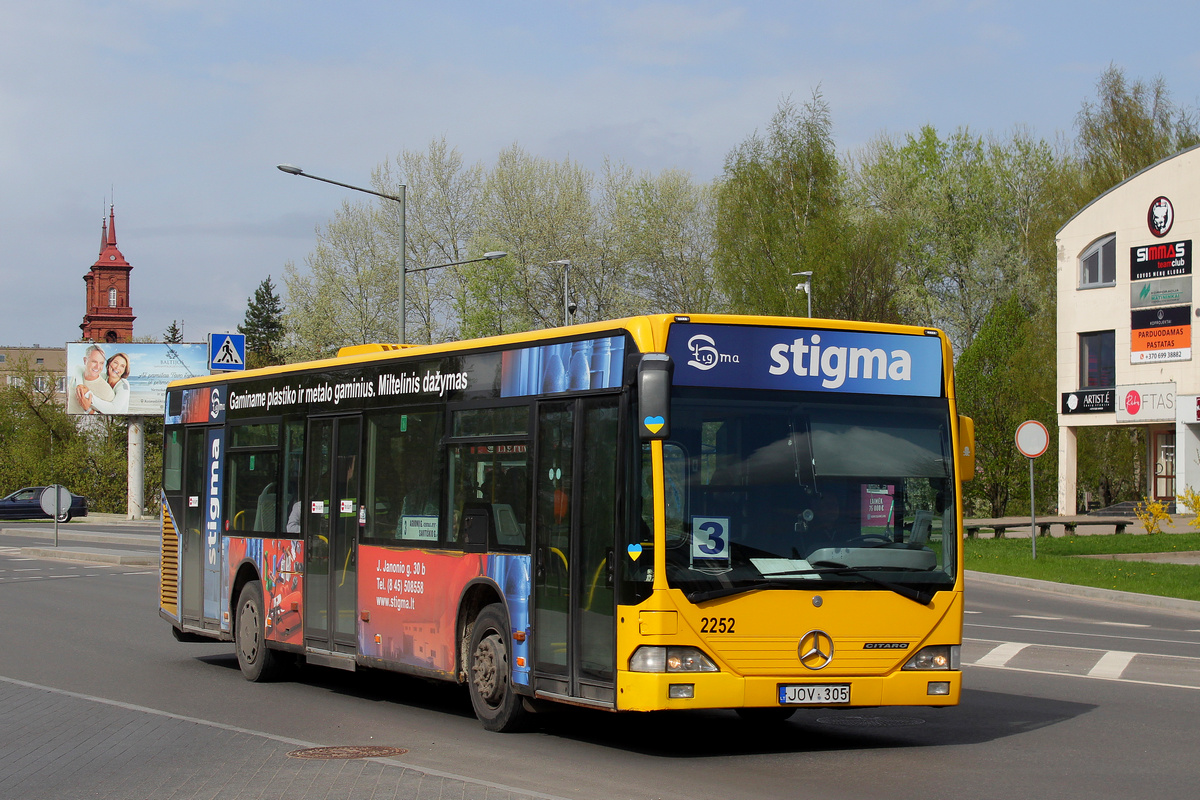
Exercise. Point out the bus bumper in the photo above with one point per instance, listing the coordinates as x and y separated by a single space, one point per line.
641 691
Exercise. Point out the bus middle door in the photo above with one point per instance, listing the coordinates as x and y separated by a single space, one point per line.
332 512
576 511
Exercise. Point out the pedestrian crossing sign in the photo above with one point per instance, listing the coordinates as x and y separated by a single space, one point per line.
226 351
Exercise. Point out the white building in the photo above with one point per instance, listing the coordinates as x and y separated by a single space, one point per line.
1125 310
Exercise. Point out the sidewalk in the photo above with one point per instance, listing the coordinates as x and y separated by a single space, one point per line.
136 544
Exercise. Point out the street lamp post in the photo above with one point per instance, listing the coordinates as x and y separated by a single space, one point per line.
565 263
806 285
294 170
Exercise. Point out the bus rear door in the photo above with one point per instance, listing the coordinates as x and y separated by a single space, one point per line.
332 510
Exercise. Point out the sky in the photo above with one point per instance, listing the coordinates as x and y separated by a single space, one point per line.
178 111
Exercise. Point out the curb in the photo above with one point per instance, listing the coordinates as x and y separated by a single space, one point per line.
1089 592
93 556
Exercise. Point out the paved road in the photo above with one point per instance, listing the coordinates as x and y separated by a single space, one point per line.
97 700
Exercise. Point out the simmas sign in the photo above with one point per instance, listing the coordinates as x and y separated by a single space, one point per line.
1160 260
1160 334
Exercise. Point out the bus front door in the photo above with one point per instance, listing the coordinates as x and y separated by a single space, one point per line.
332 515
575 529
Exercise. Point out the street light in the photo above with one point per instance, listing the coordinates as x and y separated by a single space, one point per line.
491 256
294 170
567 309
806 285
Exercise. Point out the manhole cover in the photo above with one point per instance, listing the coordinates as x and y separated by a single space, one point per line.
871 722
348 751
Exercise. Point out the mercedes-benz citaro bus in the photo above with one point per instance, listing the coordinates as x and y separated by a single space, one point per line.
660 512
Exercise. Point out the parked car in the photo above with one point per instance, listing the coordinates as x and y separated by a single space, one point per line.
27 504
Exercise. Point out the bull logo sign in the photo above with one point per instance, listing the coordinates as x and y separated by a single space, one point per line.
1160 217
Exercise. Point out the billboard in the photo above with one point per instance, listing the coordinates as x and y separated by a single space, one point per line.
1160 334
127 378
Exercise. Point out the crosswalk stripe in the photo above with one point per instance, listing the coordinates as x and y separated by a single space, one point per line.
1112 664
1001 654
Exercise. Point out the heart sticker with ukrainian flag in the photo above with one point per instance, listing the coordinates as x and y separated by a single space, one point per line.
635 550
654 424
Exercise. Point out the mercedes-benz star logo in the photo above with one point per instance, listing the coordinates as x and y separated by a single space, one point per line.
816 650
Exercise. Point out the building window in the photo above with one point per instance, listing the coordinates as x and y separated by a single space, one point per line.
1098 264
40 361
60 385
3 358
112 297
41 383
1097 360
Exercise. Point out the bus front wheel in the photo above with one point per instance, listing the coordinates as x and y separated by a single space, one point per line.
489 673
258 662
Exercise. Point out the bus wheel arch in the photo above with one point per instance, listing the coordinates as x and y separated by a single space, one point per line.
477 596
489 672
256 659
247 571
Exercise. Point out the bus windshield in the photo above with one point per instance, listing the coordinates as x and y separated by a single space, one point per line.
795 488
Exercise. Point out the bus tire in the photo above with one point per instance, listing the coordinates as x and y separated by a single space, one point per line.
765 715
257 661
489 673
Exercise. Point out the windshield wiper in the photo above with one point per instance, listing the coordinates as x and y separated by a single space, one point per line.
924 598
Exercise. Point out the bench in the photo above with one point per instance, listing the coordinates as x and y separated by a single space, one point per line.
1000 524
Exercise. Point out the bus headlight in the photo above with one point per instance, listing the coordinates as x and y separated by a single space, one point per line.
670 659
937 656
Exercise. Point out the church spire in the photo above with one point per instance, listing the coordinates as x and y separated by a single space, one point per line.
103 233
112 226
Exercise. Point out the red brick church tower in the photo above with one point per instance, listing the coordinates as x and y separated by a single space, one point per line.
109 316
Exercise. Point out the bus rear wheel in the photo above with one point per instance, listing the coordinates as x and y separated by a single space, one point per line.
257 661
489 673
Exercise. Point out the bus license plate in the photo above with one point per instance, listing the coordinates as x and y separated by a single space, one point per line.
814 694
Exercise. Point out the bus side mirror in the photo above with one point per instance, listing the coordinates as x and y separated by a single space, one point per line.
654 395
966 448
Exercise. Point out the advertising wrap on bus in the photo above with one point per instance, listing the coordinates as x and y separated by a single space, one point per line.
808 360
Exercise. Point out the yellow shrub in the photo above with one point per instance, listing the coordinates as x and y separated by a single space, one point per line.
1152 514
1191 498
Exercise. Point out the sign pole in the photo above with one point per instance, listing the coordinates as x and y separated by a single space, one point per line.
1032 515
1032 440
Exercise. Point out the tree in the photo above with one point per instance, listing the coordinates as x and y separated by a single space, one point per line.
348 293
538 211
40 444
1004 378
442 201
661 227
263 327
779 206
1128 127
173 334
975 218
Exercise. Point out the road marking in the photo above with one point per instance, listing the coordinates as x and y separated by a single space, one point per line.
1084 634
1121 624
972 612
1001 654
1034 616
1111 664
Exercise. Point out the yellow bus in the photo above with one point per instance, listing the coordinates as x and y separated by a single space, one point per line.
660 512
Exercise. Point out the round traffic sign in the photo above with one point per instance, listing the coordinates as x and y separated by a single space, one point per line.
47 500
1032 438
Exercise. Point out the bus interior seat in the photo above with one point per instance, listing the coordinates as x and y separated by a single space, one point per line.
922 523
508 531
264 514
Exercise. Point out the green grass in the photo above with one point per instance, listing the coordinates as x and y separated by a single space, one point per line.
1055 562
